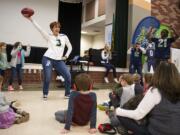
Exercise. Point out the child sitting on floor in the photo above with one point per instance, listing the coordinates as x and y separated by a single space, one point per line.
81 107
9 114
121 95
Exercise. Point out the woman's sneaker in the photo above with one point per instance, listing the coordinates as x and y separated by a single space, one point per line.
20 87
10 88
45 97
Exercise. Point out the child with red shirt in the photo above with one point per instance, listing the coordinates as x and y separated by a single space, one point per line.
81 107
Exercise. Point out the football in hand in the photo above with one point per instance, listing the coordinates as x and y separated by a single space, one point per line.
27 12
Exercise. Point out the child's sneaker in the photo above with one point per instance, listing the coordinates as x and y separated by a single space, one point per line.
10 88
103 107
23 113
20 87
106 80
26 118
22 119
19 120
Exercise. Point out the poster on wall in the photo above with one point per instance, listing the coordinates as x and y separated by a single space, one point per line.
175 57
108 34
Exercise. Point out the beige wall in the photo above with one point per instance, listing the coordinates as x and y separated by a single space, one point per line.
14 27
98 42
87 41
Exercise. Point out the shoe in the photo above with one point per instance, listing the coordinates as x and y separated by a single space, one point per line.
23 113
60 78
22 119
67 96
25 118
16 104
106 80
116 80
10 88
18 120
103 107
20 87
45 97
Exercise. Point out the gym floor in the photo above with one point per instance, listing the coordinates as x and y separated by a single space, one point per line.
42 120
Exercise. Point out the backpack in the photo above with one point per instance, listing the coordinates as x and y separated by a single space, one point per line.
107 128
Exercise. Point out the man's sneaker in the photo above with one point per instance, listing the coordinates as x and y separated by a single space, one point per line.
67 96
20 87
116 80
45 97
10 88
106 80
